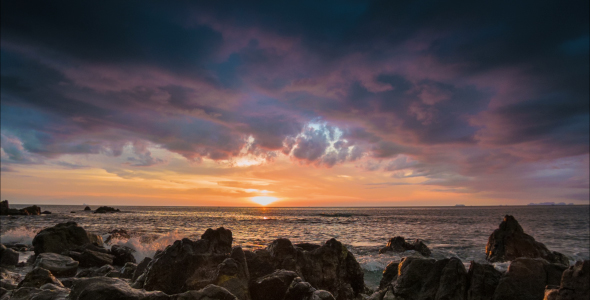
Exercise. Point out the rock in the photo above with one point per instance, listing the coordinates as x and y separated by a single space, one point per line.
389 274
96 272
46 292
272 286
58 265
105 288
31 210
453 281
9 280
299 290
210 292
4 207
551 294
8 257
60 238
128 270
482 281
307 246
510 242
38 277
259 263
46 212
4 292
122 255
232 274
283 254
141 267
322 295
525 279
87 208
399 244
188 263
91 258
575 282
117 234
95 239
106 209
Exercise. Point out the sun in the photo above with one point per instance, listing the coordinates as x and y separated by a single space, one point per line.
264 200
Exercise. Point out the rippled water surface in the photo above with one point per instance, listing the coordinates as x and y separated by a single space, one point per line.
449 231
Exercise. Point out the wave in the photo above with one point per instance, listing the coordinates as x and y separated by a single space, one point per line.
20 235
146 246
344 215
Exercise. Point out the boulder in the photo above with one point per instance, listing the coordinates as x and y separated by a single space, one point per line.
105 288
141 268
9 280
259 263
58 265
95 272
399 244
510 242
232 274
38 277
106 209
307 246
189 263
525 279
122 255
128 270
31 210
87 208
60 238
90 258
117 234
209 292
8 257
272 286
45 292
389 274
482 281
4 207
95 239
575 282
299 290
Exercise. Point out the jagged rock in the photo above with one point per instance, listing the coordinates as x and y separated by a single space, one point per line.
91 258
210 292
575 282
188 263
38 277
307 246
322 295
525 279
4 292
58 265
106 209
299 290
4 207
128 270
482 281
283 254
122 255
259 263
510 242
117 234
453 281
87 208
95 239
105 288
8 257
389 274
60 238
141 268
96 272
31 210
551 294
9 280
399 244
45 292
232 274
272 286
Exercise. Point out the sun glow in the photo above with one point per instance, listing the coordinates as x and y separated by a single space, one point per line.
264 200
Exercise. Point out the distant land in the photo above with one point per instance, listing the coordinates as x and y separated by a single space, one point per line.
550 203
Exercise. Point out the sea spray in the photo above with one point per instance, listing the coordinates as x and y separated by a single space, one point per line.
146 246
19 235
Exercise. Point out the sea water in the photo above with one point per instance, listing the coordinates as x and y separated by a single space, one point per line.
460 232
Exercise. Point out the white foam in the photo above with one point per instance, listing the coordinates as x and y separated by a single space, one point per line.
21 235
148 249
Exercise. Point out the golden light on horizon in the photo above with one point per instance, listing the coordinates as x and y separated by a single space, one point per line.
264 200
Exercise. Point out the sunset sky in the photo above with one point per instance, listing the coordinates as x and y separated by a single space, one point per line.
300 103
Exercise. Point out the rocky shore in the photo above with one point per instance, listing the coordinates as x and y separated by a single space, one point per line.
72 263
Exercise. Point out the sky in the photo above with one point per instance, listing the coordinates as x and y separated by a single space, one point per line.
300 103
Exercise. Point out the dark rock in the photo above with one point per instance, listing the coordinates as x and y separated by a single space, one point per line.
510 242
87 208
307 246
128 270
9 280
551 294
117 234
482 281
141 267
46 212
58 265
4 207
453 281
272 286
46 292
96 272
554 273
210 292
105 288
525 279
38 277
3 292
60 238
189 263
575 282
232 274
389 274
95 239
8 257
259 263
91 258
399 244
106 209
299 290
72 212
122 255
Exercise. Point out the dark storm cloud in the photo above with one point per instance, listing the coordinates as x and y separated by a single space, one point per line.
418 78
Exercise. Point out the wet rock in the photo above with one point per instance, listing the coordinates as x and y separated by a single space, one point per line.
232 274
525 279
128 270
9 280
91 258
117 234
105 288
399 244
106 209
389 274
141 268
60 238
87 208
510 242
38 277
122 255
95 239
551 294
482 281
3 292
188 264
58 265
210 292
95 272
575 282
272 286
46 292
8 257
31 210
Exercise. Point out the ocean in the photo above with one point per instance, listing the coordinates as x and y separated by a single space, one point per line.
460 232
